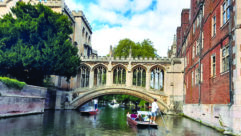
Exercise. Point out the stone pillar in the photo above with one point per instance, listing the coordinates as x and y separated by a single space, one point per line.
109 78
148 79
236 108
109 74
129 78
91 79
58 102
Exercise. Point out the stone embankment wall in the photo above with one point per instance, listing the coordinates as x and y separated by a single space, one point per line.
225 118
56 99
29 100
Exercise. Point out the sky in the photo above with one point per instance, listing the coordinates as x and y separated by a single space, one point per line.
113 20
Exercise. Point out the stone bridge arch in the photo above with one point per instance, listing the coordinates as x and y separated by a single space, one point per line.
147 96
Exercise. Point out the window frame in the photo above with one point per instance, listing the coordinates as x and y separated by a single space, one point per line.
224 59
196 76
214 25
213 66
193 79
225 12
193 51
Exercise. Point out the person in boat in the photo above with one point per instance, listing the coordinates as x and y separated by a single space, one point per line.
154 108
96 103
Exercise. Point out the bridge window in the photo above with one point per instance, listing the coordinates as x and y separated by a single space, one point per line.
83 77
119 75
139 77
99 76
157 79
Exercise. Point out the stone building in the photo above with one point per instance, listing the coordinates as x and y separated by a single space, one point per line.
211 46
81 37
172 52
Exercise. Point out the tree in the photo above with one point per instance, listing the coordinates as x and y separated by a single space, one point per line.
143 49
36 43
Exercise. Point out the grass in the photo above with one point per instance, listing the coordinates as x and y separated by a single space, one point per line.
12 83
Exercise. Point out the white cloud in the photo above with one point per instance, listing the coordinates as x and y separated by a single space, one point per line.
140 5
99 14
117 5
73 5
158 25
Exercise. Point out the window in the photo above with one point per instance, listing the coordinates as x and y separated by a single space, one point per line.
197 47
214 26
119 75
83 32
193 51
202 41
201 72
213 66
225 58
225 11
203 9
196 76
198 20
192 78
139 77
194 27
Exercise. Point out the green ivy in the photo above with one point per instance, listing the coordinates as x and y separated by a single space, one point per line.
12 83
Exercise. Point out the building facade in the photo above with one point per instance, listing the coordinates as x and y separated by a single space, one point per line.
81 37
210 44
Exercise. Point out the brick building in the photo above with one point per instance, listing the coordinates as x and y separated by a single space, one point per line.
209 39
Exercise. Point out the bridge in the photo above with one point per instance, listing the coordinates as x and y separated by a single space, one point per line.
146 78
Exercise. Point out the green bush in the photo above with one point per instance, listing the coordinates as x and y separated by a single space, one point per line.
12 83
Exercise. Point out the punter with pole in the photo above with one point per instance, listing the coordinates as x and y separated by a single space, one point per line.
154 108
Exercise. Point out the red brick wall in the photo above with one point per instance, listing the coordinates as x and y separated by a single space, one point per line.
178 34
214 90
184 23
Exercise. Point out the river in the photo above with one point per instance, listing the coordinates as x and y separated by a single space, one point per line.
109 122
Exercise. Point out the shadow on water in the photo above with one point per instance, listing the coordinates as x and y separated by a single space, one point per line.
109 122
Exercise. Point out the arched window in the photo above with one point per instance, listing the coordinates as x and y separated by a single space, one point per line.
119 75
157 78
99 76
139 77
83 77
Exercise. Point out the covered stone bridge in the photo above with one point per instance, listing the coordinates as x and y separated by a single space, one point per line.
146 78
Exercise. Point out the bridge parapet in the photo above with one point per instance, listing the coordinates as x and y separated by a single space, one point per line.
128 59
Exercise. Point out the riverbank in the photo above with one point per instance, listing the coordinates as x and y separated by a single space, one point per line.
223 118
16 102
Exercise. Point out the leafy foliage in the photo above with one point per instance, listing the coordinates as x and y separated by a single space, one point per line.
35 44
12 83
143 49
120 98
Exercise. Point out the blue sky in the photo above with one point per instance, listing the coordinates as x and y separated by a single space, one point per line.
113 20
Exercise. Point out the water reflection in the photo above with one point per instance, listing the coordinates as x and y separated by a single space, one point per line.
109 122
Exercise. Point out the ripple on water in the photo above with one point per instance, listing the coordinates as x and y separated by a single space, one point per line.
109 122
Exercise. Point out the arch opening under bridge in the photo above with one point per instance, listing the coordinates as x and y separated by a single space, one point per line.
82 98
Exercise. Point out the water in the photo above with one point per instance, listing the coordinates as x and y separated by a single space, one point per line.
109 122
